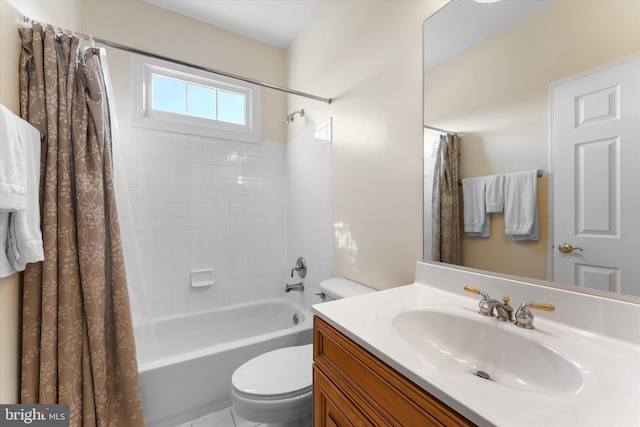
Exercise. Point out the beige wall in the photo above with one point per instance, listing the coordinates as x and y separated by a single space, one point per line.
64 13
497 95
368 56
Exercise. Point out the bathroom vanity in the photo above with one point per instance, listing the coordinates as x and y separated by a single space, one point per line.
421 354
353 387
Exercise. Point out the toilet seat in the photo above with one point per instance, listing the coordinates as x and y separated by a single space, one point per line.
279 374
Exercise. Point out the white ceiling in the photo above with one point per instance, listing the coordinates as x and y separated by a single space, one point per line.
275 22
453 29
463 23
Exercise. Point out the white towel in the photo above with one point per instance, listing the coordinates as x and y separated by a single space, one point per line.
13 181
23 243
494 193
476 218
6 269
521 205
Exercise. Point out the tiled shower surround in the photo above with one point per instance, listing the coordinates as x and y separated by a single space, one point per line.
309 206
200 203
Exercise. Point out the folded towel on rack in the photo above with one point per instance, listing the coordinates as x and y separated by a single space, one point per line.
521 205
20 228
13 180
494 193
476 217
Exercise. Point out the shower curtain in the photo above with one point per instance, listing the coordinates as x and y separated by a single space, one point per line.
77 340
445 202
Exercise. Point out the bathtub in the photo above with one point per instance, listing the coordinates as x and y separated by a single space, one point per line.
196 354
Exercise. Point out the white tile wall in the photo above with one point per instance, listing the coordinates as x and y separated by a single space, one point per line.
309 205
206 203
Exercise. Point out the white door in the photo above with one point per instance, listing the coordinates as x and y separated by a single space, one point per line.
595 133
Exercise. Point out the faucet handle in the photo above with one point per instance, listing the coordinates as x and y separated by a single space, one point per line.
477 292
300 267
524 318
486 304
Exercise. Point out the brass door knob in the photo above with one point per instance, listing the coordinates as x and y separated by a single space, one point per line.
566 248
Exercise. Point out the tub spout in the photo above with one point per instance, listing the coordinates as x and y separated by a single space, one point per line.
295 287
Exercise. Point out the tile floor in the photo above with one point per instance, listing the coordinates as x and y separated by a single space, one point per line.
223 418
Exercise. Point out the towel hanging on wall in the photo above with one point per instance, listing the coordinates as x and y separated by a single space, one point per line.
476 216
521 205
515 193
20 234
494 193
13 180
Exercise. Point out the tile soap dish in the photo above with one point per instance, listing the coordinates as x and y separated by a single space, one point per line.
201 278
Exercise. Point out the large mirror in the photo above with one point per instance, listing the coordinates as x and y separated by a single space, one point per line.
488 69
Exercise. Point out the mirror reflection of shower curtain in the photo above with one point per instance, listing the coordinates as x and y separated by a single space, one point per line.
141 303
431 143
445 202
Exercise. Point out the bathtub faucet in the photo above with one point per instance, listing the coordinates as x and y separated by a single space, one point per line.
295 287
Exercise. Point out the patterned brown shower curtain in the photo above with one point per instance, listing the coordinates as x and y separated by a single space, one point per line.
446 202
77 341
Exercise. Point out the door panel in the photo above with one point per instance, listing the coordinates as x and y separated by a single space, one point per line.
597 190
595 133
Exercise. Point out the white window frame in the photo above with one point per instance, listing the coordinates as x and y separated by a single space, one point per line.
142 115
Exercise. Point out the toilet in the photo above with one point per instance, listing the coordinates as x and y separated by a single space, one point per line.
275 387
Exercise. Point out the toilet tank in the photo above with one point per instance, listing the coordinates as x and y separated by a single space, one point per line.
338 288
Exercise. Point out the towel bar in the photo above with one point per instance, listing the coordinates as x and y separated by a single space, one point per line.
539 174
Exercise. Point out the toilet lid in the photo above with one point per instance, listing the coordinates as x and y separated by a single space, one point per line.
278 374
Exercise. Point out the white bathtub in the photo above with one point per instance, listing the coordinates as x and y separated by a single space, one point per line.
190 374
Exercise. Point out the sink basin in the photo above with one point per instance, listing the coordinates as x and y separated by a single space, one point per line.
470 346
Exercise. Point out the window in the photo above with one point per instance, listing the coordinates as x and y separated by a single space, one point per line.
172 97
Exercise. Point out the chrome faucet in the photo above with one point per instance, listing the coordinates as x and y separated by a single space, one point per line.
504 311
295 287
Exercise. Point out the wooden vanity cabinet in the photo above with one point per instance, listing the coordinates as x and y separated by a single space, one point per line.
351 387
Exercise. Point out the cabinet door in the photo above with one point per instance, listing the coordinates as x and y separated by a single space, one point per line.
331 407
381 395
333 417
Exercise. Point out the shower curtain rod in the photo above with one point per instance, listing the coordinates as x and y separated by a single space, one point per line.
439 130
129 49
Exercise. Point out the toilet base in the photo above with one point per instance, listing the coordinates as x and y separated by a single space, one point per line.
292 412
300 422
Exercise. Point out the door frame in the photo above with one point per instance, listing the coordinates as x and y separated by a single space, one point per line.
552 85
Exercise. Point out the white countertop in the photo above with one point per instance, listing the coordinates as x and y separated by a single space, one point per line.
610 367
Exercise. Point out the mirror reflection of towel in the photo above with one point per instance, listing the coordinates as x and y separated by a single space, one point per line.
476 217
494 193
521 205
